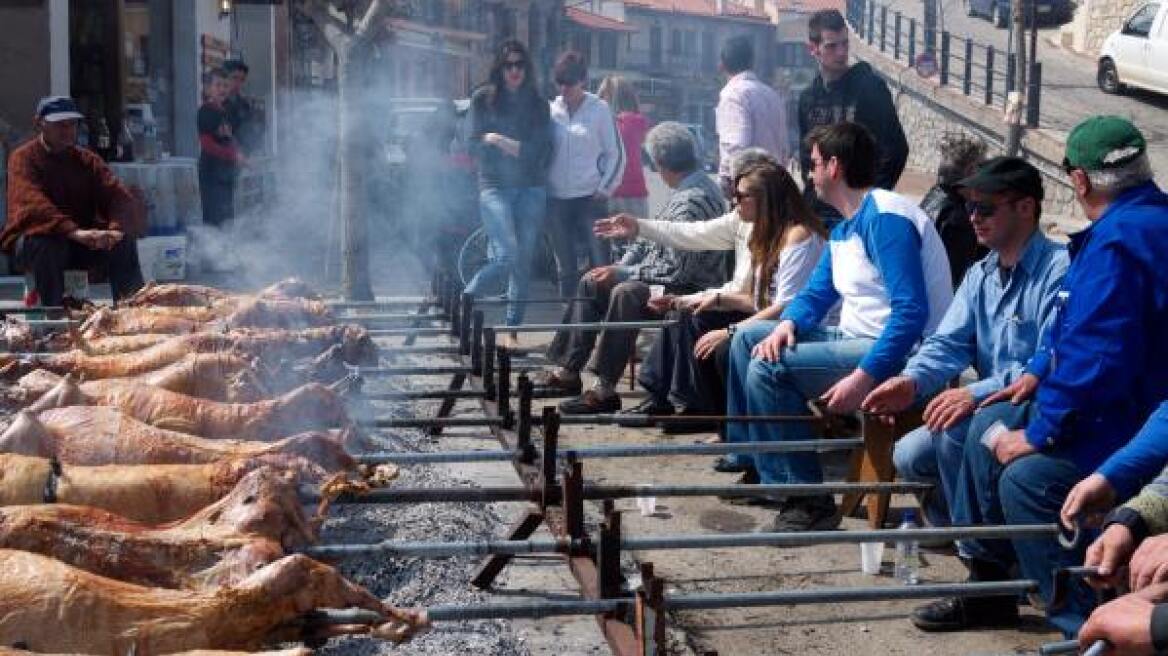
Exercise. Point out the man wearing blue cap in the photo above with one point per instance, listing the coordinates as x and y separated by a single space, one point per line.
66 209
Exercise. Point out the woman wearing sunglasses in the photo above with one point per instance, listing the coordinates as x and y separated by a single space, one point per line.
510 137
772 228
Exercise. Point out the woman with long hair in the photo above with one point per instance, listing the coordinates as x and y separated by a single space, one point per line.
510 137
774 229
632 196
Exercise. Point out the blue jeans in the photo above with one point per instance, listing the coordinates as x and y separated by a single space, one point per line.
512 219
756 387
570 227
1030 490
924 456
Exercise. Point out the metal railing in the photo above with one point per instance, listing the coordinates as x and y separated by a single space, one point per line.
981 71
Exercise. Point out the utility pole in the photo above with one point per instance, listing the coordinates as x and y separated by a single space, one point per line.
1015 100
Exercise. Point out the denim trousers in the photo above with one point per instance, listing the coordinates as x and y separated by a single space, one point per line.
756 387
1029 490
570 228
512 219
925 456
672 372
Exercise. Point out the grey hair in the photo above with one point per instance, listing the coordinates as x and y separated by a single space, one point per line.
1114 181
672 147
749 158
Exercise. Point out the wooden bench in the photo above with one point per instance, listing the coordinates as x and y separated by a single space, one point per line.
873 463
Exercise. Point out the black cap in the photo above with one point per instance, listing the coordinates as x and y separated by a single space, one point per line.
1006 174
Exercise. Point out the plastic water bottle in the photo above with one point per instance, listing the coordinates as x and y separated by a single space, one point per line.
908 553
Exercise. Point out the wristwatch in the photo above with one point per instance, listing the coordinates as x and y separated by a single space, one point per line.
1129 518
731 329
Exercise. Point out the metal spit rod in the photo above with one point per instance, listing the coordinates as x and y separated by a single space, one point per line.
541 608
615 451
420 395
600 325
1072 647
632 420
592 491
674 542
408 332
427 422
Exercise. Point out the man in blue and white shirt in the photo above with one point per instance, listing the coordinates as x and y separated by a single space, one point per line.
886 267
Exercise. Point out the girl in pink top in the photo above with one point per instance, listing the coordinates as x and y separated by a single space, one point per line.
632 196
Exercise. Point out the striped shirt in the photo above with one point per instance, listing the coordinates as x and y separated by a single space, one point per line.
750 114
696 198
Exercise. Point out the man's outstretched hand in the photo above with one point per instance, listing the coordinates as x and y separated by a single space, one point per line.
619 226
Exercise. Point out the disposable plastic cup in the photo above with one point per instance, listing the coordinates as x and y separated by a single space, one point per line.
656 291
871 555
647 505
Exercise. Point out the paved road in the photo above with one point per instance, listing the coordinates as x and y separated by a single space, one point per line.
1069 92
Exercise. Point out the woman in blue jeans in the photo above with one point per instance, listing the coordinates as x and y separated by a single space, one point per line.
510 138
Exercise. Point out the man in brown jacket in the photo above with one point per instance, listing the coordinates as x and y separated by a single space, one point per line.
66 209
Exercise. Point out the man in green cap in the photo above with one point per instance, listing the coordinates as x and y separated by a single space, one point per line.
1103 368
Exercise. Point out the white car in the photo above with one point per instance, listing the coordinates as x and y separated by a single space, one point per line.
1136 55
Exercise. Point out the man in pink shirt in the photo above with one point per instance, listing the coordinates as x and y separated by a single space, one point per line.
750 114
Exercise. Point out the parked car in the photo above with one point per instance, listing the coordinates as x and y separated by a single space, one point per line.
998 11
1136 55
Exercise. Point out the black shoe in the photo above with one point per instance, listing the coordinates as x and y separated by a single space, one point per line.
749 477
650 406
807 514
590 403
549 383
726 465
689 427
959 614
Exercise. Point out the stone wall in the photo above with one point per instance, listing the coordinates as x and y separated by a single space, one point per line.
1094 21
929 111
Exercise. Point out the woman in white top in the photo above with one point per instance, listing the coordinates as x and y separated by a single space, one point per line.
588 164
685 368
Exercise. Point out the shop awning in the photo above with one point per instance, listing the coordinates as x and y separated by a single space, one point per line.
589 20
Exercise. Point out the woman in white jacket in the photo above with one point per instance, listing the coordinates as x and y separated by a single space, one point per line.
780 239
588 164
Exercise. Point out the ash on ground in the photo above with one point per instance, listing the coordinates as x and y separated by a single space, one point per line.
415 582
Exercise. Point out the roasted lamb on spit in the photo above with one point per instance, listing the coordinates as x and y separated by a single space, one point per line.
48 606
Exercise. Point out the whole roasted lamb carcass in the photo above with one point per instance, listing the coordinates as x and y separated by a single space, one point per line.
48 606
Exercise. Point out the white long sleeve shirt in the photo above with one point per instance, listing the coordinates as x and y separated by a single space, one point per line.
588 155
727 232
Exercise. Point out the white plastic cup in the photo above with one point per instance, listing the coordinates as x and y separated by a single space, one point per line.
646 504
989 438
656 291
871 555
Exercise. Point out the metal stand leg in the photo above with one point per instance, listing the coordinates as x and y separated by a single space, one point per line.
444 410
493 566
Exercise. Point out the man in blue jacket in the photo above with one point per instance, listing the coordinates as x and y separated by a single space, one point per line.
1103 369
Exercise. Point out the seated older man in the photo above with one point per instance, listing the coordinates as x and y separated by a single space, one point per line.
1101 373
66 209
620 292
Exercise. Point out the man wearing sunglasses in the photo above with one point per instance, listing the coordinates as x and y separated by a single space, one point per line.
999 311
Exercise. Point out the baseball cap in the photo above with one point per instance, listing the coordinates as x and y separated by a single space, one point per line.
57 108
1103 142
1005 174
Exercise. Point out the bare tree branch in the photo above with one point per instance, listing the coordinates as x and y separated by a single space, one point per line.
335 31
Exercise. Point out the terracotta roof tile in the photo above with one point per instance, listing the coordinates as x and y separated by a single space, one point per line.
700 7
810 6
596 21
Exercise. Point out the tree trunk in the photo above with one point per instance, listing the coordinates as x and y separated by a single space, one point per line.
355 284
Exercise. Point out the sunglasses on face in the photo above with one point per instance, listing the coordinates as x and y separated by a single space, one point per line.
514 65
566 83
982 208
